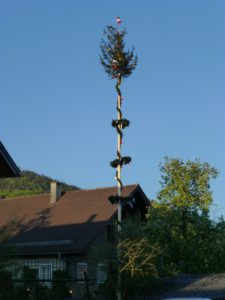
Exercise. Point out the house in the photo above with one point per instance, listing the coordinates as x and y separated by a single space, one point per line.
55 231
8 168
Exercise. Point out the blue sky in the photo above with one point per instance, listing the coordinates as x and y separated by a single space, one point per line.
57 103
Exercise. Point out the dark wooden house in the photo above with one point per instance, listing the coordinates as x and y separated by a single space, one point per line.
55 231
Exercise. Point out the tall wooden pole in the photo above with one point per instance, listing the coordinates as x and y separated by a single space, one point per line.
119 143
118 64
119 182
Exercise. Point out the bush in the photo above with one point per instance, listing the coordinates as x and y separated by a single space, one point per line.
59 285
7 290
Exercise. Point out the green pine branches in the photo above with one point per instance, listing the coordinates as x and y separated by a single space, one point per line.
115 60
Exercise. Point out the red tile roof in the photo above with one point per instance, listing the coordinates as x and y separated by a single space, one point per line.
70 223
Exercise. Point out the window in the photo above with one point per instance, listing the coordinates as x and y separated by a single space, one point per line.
45 271
16 271
81 269
101 273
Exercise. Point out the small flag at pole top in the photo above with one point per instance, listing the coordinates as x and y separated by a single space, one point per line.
118 20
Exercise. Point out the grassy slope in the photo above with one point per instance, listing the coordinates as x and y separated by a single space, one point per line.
29 183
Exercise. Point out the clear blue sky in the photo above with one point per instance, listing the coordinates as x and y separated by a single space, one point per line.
57 103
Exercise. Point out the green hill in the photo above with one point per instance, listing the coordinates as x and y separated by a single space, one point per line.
29 183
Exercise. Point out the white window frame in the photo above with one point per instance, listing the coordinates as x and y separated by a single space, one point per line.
16 271
79 266
101 273
39 271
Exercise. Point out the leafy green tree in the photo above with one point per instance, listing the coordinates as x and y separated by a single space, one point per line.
202 250
186 185
179 220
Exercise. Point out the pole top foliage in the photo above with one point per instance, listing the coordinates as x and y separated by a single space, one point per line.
117 62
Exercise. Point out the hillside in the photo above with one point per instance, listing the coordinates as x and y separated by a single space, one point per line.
29 183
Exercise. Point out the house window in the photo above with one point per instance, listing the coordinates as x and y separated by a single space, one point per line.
16 271
45 271
101 273
81 270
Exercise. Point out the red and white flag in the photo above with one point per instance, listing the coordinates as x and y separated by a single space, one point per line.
118 20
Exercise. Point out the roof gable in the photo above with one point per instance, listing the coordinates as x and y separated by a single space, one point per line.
8 168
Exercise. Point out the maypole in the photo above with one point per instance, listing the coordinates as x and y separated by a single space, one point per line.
118 64
119 143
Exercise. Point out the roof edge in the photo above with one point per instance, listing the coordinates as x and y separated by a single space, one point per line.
139 189
10 162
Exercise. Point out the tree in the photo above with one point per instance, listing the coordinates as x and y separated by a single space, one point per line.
186 185
138 264
179 220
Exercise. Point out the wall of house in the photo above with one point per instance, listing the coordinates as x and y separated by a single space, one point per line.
71 262
94 267
35 263
80 284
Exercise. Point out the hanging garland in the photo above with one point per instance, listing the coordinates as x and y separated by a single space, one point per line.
116 199
118 64
120 161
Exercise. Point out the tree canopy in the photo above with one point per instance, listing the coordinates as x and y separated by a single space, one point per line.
186 185
179 221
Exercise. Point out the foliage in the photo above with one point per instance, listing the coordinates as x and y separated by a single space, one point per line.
186 185
7 290
115 60
59 286
180 223
137 257
29 286
138 261
31 283
29 183
106 253
200 250
115 199
177 237
122 161
29 275
11 291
